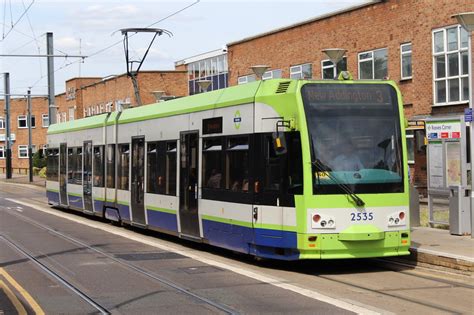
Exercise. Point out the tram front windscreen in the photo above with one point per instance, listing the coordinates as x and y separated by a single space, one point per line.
355 136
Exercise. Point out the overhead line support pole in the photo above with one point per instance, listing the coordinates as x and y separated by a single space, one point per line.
8 150
49 51
30 148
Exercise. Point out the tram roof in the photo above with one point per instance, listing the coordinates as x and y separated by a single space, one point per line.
234 95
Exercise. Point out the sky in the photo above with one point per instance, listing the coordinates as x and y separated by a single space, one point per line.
88 27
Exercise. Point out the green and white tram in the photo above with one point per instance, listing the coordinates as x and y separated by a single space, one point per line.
283 169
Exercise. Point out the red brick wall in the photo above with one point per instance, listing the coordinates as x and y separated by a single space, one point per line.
18 107
383 25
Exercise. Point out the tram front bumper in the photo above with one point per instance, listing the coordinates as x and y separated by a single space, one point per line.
337 246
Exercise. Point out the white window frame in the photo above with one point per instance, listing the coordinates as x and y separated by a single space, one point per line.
71 113
334 69
2 152
22 118
272 74
296 72
245 79
402 54
2 123
22 148
43 117
372 59
31 118
445 53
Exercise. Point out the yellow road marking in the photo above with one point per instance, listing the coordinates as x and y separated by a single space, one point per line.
31 302
12 297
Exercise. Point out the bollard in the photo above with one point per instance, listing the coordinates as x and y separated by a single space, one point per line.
459 211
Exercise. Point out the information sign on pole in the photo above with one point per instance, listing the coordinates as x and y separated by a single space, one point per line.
468 114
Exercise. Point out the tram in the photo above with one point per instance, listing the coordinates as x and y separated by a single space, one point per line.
280 169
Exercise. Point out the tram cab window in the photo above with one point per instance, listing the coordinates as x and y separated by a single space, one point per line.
52 164
278 177
123 166
237 164
98 166
171 149
111 166
213 163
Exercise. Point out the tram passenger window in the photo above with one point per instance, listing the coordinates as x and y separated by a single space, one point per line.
52 165
111 166
237 164
71 164
212 163
78 167
123 166
171 168
98 166
152 156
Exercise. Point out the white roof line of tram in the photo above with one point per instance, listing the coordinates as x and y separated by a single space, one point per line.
321 17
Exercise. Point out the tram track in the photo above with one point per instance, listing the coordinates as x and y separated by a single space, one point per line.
380 263
139 270
55 275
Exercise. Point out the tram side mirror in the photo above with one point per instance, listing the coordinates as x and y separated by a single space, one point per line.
279 143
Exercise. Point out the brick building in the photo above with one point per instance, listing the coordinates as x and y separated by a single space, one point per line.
83 97
416 43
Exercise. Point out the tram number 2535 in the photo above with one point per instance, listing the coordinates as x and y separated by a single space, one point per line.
362 216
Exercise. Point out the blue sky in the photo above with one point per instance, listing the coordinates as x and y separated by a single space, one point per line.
89 26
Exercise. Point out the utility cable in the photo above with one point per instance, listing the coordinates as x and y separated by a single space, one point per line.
19 19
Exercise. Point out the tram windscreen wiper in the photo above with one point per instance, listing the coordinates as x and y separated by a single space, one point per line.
321 167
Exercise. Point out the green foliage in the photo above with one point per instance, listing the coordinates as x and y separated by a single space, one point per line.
39 160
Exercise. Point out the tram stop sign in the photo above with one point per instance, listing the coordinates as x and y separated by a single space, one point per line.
468 114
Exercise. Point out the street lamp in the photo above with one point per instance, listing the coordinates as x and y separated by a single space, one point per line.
335 55
158 95
466 20
204 84
259 70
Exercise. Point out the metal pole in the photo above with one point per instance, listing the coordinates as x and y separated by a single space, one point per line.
471 132
49 52
8 157
30 149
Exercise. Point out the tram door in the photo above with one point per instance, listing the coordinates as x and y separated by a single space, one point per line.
138 180
188 186
63 174
87 176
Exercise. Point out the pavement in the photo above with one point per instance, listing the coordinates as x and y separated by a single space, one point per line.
431 247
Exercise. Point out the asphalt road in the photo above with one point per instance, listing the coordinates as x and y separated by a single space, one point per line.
55 261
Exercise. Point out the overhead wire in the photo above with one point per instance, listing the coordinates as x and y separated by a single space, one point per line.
19 19
36 39
114 44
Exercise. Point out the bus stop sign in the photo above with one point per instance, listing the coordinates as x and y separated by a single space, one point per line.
468 114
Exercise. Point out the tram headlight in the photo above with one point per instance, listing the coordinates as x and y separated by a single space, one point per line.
398 218
321 221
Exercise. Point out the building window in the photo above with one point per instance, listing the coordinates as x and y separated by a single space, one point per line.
450 63
23 151
58 118
22 121
304 71
272 74
72 113
2 152
2 123
213 68
373 64
410 137
328 71
405 61
246 79
63 117
45 120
